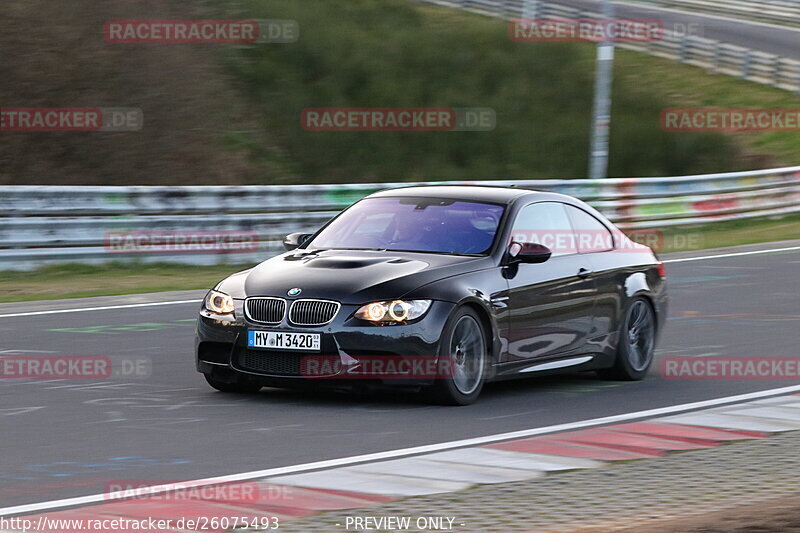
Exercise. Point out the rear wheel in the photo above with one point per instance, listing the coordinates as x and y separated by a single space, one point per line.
636 343
463 360
232 384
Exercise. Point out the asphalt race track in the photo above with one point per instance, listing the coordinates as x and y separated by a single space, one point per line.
71 437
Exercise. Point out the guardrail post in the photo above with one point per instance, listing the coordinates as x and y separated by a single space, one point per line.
717 58
511 8
531 9
746 64
684 49
797 80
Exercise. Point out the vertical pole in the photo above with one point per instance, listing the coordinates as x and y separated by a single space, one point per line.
601 116
530 9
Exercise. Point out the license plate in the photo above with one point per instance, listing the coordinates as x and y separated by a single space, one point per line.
281 340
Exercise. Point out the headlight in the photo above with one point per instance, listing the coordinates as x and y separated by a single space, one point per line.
219 303
394 311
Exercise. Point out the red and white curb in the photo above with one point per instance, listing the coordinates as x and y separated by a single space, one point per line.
348 487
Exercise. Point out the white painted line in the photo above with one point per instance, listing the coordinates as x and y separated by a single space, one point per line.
104 308
405 452
737 254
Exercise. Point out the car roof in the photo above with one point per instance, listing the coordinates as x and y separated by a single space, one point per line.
476 193
480 193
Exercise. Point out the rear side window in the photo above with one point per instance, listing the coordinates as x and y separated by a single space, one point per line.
545 223
591 234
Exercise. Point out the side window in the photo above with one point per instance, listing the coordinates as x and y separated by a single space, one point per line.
545 223
592 235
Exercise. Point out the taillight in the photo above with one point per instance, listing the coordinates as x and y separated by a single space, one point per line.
662 271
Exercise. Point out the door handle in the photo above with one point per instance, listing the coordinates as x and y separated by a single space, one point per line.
584 273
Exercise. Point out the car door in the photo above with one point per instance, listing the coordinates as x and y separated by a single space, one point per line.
596 243
550 304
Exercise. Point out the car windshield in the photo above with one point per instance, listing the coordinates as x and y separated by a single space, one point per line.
414 225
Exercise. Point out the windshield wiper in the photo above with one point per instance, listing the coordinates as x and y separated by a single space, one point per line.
437 253
362 249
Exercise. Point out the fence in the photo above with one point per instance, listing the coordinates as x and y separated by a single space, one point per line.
719 57
46 225
775 11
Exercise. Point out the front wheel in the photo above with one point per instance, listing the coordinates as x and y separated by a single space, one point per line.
463 360
636 344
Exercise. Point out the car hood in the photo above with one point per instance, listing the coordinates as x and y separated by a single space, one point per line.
353 277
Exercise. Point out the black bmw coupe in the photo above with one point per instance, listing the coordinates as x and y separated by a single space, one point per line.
440 288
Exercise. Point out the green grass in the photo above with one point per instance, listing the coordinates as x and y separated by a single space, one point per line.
81 281
393 53
733 233
387 53
231 114
686 86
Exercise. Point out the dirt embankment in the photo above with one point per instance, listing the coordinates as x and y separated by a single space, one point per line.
54 55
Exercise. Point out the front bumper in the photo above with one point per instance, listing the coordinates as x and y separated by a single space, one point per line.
349 348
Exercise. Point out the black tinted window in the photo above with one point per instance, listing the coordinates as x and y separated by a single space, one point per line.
545 223
414 224
591 234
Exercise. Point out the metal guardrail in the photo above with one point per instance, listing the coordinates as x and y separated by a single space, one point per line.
774 11
715 56
47 225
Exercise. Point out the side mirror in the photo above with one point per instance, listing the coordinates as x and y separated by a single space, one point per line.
293 240
529 252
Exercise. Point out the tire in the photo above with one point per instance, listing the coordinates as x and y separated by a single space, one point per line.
463 360
636 343
234 385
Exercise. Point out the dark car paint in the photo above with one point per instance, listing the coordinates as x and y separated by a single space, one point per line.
355 277
572 315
